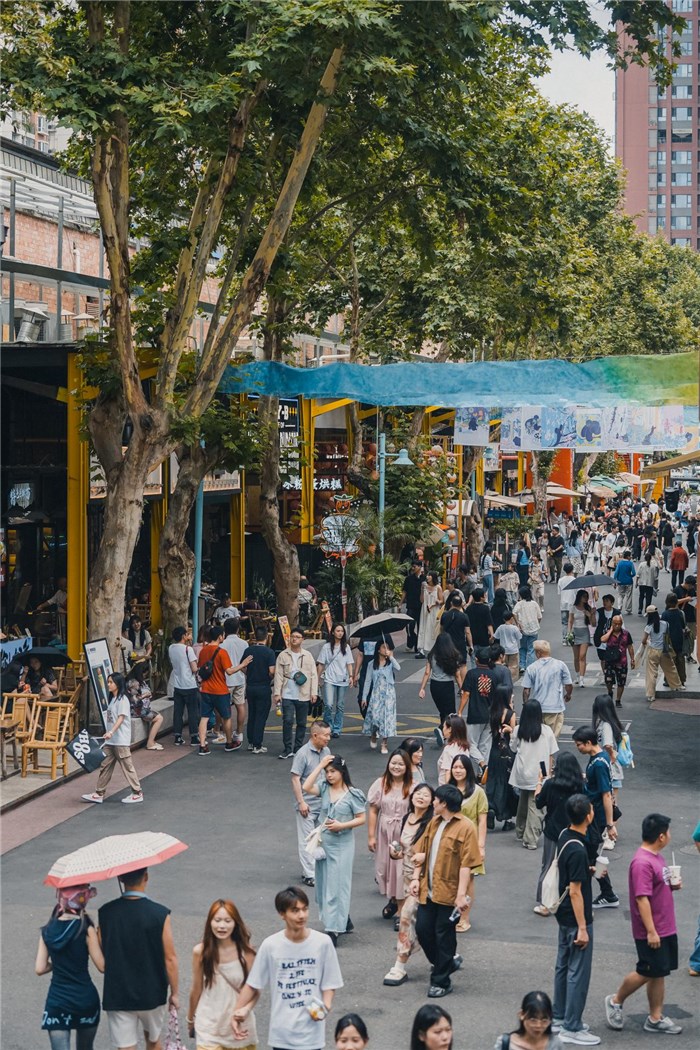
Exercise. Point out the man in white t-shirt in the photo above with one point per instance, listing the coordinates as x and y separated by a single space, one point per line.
183 661
566 598
300 968
226 611
235 647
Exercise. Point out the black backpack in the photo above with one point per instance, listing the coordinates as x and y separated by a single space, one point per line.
207 669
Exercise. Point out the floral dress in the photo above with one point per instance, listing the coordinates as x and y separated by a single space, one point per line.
380 717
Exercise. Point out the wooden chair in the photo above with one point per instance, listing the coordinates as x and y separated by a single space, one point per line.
48 732
72 674
22 708
72 702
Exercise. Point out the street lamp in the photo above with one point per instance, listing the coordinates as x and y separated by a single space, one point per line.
402 459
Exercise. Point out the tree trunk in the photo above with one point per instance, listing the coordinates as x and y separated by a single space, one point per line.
583 464
542 463
285 556
472 527
176 562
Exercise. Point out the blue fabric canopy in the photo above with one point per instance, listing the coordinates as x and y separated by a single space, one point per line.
651 380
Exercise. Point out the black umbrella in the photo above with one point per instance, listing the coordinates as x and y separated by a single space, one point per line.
381 624
594 580
48 655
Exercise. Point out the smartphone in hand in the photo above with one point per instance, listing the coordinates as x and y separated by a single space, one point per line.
543 769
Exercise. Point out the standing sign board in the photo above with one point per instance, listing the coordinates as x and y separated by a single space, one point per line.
99 665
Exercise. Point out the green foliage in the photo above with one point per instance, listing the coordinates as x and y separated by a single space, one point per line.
372 583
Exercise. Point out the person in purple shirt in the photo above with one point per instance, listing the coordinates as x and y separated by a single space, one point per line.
653 928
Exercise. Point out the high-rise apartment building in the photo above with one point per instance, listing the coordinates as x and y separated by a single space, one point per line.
657 139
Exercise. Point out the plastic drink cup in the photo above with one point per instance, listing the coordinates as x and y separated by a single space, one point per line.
674 871
317 1009
601 866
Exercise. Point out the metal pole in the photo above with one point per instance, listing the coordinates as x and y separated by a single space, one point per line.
381 456
59 265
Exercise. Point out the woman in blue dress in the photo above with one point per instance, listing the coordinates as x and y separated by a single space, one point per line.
380 718
342 810
67 941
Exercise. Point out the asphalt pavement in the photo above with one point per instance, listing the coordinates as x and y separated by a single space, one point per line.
236 813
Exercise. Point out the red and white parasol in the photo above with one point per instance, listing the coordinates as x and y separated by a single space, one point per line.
113 856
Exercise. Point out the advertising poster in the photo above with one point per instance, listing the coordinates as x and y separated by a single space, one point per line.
531 434
285 629
472 426
589 428
99 665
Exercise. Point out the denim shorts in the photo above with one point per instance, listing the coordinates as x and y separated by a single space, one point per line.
211 702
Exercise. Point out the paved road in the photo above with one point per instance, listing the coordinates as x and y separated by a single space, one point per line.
235 811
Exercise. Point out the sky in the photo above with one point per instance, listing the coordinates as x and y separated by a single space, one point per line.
585 83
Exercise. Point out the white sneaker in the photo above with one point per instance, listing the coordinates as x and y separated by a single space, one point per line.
581 1038
92 797
131 799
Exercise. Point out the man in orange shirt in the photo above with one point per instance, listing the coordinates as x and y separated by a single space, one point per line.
679 563
215 694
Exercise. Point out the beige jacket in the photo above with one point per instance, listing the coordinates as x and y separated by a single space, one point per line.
284 669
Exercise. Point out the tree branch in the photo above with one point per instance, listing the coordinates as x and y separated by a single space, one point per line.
190 278
214 363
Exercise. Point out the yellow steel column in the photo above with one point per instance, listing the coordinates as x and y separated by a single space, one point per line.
306 469
237 572
521 471
479 470
76 518
460 498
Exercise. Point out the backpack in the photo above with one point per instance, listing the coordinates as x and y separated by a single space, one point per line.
207 669
625 754
551 898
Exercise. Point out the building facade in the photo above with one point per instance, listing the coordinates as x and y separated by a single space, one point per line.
657 140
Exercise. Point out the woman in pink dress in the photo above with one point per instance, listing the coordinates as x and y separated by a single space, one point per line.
388 800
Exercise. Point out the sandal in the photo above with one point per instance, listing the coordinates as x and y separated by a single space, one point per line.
154 747
389 910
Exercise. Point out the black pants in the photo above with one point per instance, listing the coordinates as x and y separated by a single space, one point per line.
523 572
677 577
292 709
595 839
412 629
437 937
186 698
259 702
645 596
443 694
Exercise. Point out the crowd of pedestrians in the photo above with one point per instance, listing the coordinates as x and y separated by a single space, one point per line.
426 822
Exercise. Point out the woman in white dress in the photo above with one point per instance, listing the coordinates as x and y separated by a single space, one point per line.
221 963
432 600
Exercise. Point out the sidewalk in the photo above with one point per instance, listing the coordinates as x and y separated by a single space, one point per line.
35 814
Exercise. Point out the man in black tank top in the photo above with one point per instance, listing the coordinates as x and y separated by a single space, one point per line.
140 962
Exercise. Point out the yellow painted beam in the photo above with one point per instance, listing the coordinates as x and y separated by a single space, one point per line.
365 413
76 518
307 469
320 410
237 566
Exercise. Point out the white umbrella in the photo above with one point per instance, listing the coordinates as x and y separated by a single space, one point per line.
113 856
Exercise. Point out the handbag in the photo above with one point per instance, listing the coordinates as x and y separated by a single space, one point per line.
86 750
312 844
172 1040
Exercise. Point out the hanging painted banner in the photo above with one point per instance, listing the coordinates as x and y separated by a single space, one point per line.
558 427
472 426
624 428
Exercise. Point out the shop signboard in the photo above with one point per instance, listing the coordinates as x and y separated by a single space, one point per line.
99 665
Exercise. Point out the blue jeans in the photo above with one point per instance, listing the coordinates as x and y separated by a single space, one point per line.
334 706
572 975
527 649
487 584
694 961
